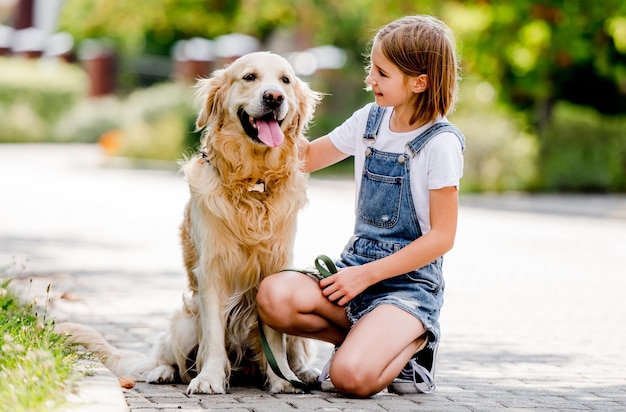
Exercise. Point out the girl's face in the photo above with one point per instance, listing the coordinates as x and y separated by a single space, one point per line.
388 83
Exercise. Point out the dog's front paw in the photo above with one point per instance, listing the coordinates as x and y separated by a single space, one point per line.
308 376
278 385
161 374
204 383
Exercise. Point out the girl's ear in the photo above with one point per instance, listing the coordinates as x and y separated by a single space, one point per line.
419 83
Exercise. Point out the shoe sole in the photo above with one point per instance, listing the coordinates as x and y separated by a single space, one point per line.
327 386
408 387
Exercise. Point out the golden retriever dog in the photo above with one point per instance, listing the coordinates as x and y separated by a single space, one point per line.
246 189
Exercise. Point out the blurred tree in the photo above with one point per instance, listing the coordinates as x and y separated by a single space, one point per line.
536 51
540 52
146 26
152 26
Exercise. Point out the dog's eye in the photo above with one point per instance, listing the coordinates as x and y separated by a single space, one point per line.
286 80
249 77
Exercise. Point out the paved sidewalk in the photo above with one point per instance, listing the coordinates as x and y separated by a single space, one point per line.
534 315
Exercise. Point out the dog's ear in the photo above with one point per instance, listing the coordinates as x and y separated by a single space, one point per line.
308 100
210 96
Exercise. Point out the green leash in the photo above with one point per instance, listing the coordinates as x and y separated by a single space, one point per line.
325 267
274 365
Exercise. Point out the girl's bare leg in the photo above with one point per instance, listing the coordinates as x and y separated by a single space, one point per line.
293 303
371 354
375 351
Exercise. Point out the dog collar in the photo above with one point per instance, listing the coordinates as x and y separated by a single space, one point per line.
205 156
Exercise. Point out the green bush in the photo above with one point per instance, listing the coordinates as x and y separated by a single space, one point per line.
151 123
159 123
86 121
501 155
583 151
33 94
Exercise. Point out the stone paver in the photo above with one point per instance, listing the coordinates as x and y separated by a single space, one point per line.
533 318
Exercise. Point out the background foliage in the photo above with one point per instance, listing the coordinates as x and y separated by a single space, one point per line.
346 24
542 52
544 80
34 94
594 144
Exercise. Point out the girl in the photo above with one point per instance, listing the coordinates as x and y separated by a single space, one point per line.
381 309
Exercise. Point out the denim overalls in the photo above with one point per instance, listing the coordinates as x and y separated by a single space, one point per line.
386 222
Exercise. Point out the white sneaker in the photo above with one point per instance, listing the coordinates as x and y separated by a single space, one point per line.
418 376
326 385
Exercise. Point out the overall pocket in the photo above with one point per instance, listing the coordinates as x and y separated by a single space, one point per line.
379 199
430 275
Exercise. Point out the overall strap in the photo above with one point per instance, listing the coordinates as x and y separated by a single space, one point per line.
373 123
417 144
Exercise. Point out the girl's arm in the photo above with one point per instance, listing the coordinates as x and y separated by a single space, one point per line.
318 154
444 205
351 281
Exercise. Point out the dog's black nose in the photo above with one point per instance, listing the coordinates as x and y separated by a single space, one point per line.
273 98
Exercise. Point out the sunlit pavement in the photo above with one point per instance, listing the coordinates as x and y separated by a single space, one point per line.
534 314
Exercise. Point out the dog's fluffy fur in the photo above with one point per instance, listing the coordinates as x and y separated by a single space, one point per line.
246 188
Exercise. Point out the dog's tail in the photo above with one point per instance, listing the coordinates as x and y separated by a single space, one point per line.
123 363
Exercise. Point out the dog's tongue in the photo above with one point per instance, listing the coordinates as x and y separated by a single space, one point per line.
270 133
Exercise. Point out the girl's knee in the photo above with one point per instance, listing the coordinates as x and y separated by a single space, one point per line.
270 298
283 297
277 299
353 379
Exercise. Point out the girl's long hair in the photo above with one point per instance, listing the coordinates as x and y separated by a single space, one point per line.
419 45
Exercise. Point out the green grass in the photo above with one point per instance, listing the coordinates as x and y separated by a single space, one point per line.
36 365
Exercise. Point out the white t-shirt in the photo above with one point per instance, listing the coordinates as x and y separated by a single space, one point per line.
439 164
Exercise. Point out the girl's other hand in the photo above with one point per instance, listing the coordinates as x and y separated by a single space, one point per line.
343 286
